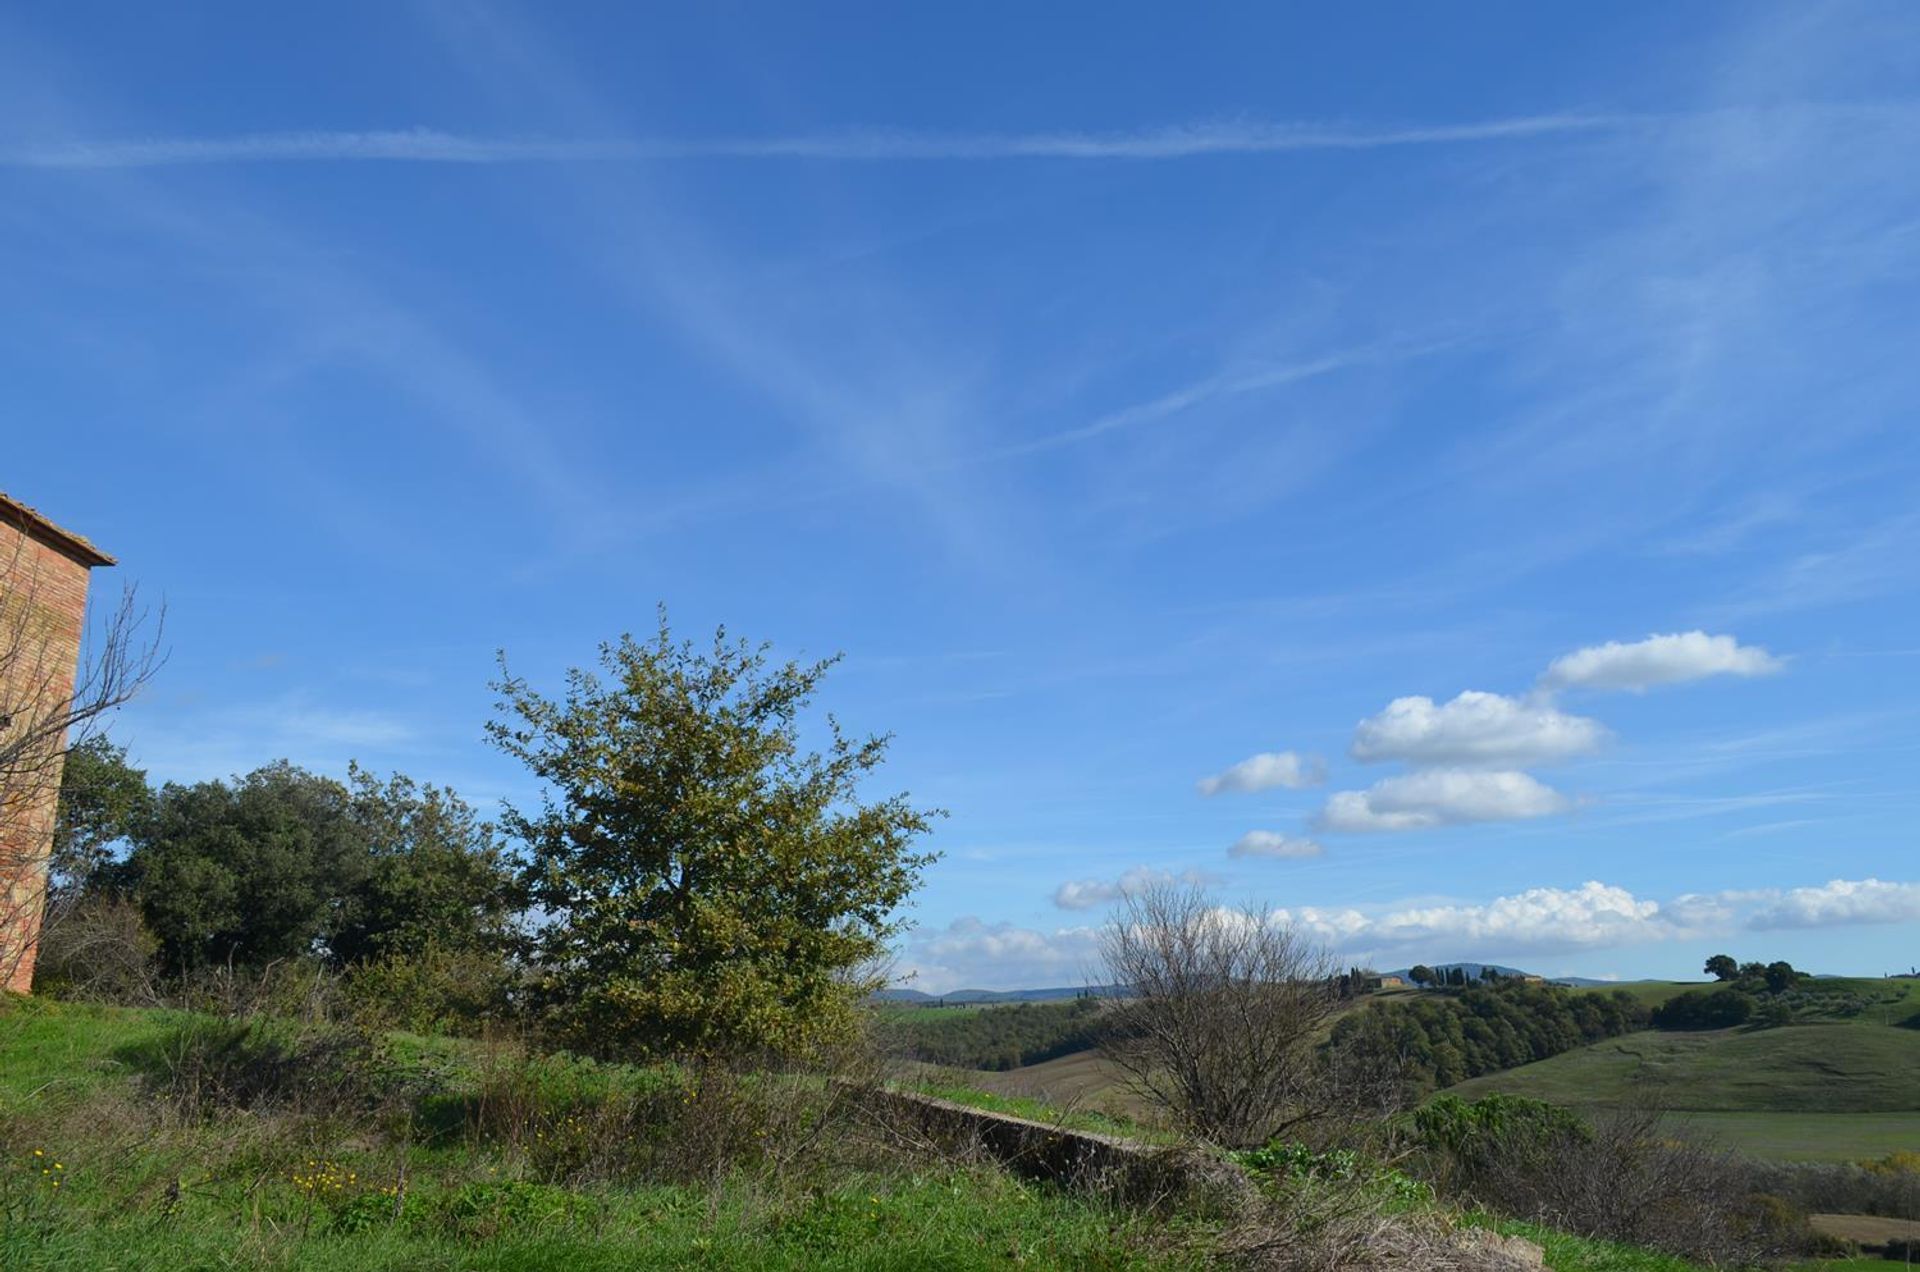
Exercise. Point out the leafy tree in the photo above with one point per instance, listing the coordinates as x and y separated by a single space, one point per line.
1780 977
435 876
1421 975
102 799
1441 1040
283 863
708 884
1722 967
1753 972
246 873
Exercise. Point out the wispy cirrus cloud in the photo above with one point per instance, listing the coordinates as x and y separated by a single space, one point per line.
1272 844
869 145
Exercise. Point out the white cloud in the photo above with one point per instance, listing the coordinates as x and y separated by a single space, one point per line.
1270 843
1441 797
1085 894
971 954
1266 771
1474 728
1594 915
1537 921
1841 902
1658 660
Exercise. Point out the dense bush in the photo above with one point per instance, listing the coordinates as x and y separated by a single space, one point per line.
1444 1038
433 991
1700 1009
707 883
996 1037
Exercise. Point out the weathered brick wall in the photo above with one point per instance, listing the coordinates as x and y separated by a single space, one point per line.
43 604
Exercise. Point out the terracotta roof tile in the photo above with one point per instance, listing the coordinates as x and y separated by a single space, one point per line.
38 526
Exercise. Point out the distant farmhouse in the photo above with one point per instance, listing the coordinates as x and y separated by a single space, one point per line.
1372 984
44 571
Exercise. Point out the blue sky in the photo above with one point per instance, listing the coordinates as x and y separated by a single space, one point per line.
1137 396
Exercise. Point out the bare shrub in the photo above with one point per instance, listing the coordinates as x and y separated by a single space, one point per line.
1336 1226
1852 1188
1625 1176
100 949
1223 1024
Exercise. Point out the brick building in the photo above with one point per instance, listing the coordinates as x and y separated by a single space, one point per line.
44 572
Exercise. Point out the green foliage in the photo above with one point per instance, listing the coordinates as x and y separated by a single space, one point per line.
489 1210
996 1037
1484 1028
1492 1124
1700 1009
1296 1162
102 800
273 1189
1569 1253
433 990
248 873
283 864
1722 967
436 879
708 883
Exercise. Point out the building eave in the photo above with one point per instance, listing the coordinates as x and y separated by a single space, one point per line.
34 525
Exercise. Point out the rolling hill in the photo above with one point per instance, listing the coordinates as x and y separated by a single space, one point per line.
1820 1091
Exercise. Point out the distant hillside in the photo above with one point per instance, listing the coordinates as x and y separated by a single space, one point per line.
1805 1069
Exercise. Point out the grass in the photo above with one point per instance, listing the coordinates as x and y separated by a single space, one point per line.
1568 1253
139 1189
1808 1137
961 1219
69 1047
1807 1068
142 1191
1826 1092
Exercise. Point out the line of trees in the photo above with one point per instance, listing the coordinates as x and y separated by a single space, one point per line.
693 880
1484 1028
999 1037
1446 977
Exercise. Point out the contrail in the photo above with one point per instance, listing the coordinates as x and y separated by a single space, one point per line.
425 145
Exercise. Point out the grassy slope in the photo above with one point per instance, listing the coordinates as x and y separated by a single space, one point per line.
1808 1069
238 1204
1826 1092
1817 1092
